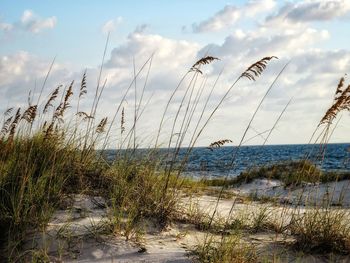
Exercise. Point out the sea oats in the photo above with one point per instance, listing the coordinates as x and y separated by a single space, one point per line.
341 102
51 99
83 90
101 126
218 144
84 115
30 113
202 61
16 120
256 69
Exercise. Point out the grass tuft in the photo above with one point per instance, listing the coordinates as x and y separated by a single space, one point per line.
322 230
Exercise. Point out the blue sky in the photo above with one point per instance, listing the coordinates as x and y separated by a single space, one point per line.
314 34
78 29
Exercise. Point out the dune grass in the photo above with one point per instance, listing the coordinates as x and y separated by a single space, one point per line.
228 249
322 230
317 230
50 150
290 173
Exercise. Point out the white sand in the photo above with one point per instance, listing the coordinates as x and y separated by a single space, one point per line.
76 234
73 236
334 193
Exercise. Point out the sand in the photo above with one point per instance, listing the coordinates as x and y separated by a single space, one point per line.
77 233
335 193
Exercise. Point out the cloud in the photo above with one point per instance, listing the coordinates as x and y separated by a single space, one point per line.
30 22
111 25
6 27
21 72
312 10
311 78
172 58
252 45
33 23
230 14
255 7
224 18
169 53
141 28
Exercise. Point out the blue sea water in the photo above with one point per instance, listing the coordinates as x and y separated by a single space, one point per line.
203 162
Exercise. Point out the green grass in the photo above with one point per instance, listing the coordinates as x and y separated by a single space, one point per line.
48 152
36 173
322 230
290 173
229 249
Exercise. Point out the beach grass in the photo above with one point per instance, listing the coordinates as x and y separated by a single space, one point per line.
50 150
291 173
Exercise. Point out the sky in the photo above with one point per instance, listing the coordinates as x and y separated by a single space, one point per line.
313 36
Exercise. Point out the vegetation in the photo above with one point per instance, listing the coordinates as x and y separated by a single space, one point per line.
228 249
322 230
319 229
49 151
45 155
290 173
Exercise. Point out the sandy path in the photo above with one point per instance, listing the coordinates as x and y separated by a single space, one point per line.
77 234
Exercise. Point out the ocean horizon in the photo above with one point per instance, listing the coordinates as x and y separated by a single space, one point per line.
205 162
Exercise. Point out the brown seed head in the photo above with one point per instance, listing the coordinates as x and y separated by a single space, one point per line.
256 69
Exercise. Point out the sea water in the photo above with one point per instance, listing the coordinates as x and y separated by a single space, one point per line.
233 160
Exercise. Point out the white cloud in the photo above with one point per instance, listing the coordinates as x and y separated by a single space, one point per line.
33 23
311 78
6 27
254 7
111 25
230 14
224 18
290 15
30 22
22 72
168 52
312 10
252 45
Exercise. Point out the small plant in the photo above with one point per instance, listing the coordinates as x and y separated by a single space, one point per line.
261 219
40 256
322 230
230 249
292 173
196 216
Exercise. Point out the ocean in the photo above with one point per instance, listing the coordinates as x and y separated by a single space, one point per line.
203 162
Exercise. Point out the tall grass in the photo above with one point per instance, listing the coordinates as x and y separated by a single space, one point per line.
322 230
317 228
48 150
41 158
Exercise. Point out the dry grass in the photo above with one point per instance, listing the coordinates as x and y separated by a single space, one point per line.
218 144
203 61
230 249
256 69
322 230
341 102
45 156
